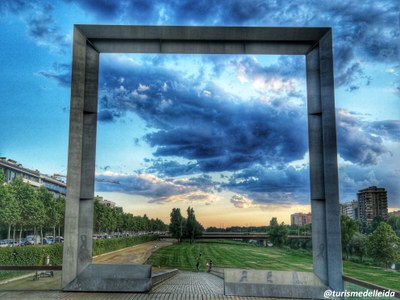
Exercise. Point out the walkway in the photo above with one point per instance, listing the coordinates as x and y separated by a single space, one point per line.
185 285
189 283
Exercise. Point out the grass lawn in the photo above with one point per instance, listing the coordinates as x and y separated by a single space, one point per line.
4 275
239 255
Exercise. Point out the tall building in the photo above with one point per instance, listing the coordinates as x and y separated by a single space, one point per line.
104 201
300 219
349 209
13 169
372 203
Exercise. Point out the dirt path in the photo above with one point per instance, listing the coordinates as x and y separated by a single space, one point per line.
133 255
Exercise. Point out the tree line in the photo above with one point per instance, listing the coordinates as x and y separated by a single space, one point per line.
114 220
185 228
381 242
25 209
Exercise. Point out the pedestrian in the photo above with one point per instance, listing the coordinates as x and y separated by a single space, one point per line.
198 262
209 266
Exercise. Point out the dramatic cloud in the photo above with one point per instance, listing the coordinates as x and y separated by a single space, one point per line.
268 186
363 32
359 145
387 128
158 190
271 201
171 168
217 130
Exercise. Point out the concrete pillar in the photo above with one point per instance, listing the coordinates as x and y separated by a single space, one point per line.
327 250
81 159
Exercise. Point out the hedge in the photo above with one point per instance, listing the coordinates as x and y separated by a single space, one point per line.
37 255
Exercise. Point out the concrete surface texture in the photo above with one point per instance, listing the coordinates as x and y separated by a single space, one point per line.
314 43
268 283
185 285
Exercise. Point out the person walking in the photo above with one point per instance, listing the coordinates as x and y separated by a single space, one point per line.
198 262
209 266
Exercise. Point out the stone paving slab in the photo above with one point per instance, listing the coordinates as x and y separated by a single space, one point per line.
191 283
57 295
183 286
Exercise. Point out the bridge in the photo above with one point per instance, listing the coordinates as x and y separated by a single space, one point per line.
245 235
240 235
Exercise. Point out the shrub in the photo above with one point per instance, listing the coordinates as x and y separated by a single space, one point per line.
37 255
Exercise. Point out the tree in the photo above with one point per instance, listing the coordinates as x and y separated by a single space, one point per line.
9 207
358 245
32 210
375 222
176 224
50 206
278 234
394 222
191 224
383 244
348 227
60 207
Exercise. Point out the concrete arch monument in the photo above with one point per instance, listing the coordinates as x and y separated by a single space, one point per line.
313 42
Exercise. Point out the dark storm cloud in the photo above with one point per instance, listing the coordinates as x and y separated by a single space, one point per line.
367 31
215 129
359 145
258 179
170 168
354 178
388 128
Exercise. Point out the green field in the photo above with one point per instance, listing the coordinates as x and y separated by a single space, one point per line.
240 255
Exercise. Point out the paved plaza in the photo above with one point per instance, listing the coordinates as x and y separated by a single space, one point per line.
185 285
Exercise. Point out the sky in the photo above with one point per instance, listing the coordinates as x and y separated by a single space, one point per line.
225 134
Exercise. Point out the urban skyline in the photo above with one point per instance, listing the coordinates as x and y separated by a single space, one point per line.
220 133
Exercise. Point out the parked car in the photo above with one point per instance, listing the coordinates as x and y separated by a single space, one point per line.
33 240
47 241
50 238
24 242
3 244
11 243
59 239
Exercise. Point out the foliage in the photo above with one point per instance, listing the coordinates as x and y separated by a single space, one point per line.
113 219
383 245
348 227
188 228
28 209
107 245
10 209
176 224
278 233
31 255
190 224
358 245
394 222
36 255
